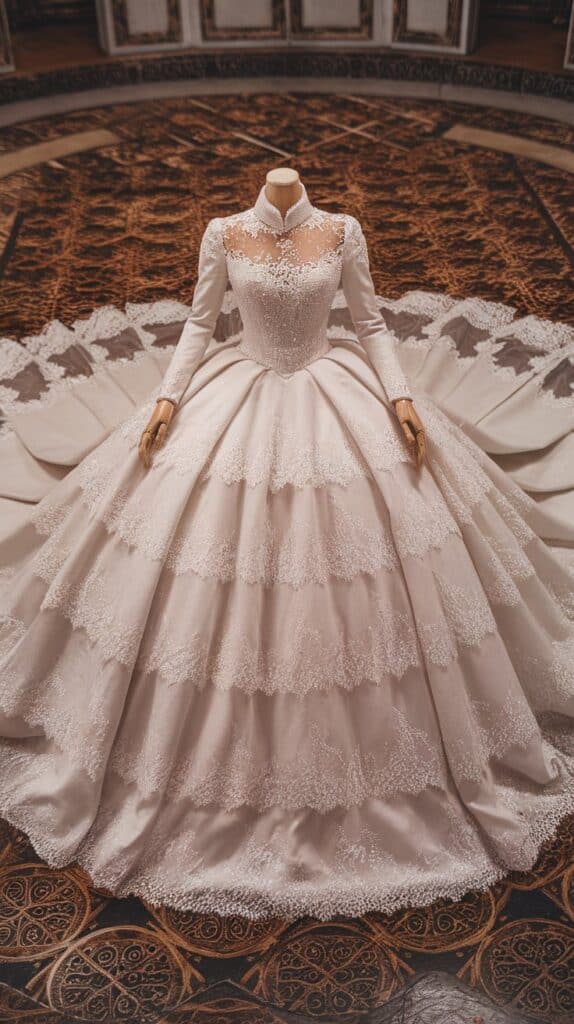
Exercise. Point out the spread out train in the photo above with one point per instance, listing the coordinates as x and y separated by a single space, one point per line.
267 755
508 381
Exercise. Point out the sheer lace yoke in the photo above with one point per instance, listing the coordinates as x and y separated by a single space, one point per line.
284 272
317 238
285 282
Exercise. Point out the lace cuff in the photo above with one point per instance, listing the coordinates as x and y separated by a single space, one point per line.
206 305
370 326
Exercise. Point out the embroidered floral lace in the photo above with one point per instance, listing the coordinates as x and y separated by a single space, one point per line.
284 281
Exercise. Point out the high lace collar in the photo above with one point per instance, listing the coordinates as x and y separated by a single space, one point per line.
270 215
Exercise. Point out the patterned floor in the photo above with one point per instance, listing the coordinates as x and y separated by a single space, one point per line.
121 221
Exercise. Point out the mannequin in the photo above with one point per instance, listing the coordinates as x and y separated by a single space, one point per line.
282 188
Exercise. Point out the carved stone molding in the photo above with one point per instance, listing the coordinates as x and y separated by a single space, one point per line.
297 63
450 37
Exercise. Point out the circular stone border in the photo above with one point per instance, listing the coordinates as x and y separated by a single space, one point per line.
383 72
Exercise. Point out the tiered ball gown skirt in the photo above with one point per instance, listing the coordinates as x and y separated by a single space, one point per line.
284 671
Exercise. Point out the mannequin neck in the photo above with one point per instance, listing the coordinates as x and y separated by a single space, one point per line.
283 196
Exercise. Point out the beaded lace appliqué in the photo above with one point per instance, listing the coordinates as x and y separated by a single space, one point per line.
285 283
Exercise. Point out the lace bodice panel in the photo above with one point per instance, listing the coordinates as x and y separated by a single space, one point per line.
284 273
284 285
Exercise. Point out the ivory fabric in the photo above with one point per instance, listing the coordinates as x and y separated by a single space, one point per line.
283 671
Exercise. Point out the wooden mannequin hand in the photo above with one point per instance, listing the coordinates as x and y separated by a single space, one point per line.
412 426
156 429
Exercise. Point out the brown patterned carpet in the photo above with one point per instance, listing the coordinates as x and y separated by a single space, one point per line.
121 222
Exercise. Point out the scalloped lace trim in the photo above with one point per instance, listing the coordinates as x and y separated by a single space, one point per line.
407 761
262 880
190 660
310 663
374 656
46 708
273 556
55 338
89 605
278 459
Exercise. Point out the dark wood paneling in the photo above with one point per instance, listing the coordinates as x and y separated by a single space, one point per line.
24 14
531 10
6 59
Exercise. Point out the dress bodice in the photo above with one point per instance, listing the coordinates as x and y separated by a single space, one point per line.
284 284
284 272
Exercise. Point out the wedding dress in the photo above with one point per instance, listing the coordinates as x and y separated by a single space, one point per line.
284 670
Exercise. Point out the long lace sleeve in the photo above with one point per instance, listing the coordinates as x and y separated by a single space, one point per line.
370 327
205 308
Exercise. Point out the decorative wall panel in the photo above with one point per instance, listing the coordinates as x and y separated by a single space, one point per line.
331 19
433 22
228 20
147 21
140 24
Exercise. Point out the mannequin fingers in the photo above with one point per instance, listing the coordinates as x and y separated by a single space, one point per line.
421 447
416 422
145 447
160 436
408 432
152 438
148 449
